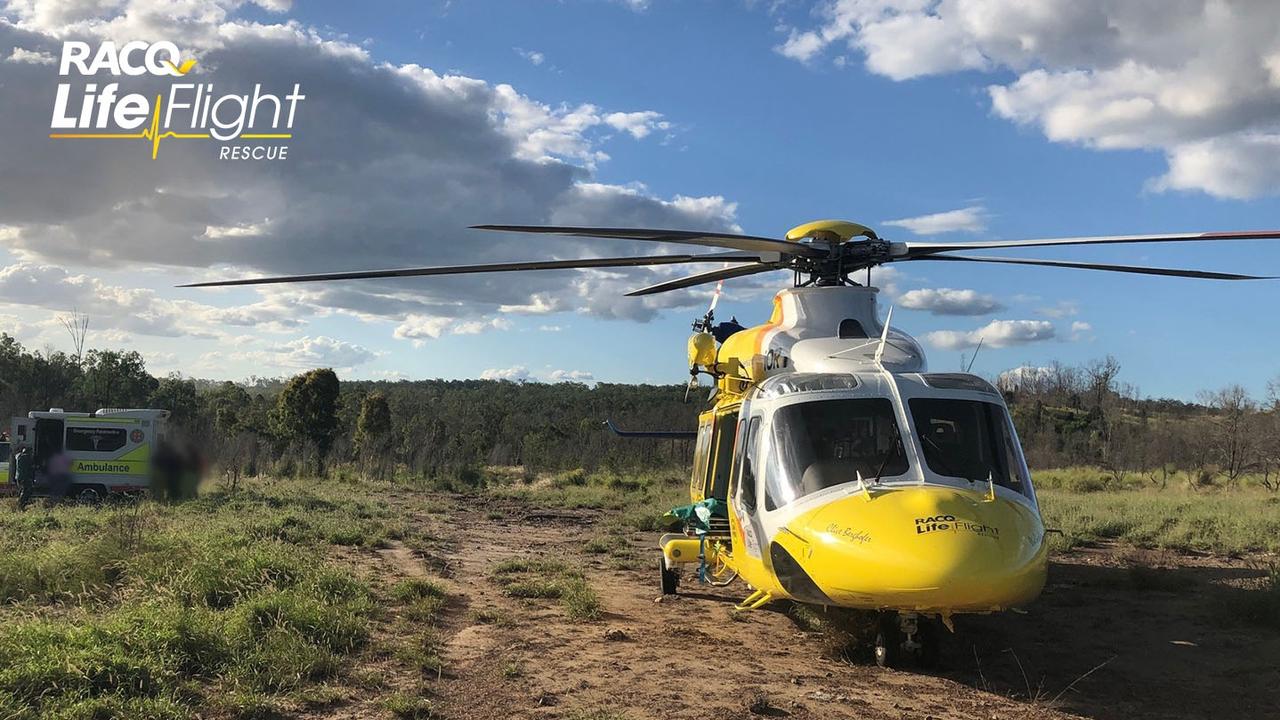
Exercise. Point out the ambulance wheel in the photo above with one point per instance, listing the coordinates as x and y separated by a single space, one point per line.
669 577
888 647
90 495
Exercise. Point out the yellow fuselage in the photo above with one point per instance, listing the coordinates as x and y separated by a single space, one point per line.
919 540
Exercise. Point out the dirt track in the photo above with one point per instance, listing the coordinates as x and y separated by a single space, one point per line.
1104 641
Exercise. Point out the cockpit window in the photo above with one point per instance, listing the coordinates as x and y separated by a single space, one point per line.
823 443
968 439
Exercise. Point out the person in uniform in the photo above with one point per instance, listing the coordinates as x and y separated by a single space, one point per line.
24 473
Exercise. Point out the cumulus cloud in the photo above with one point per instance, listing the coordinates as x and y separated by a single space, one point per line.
133 310
389 165
579 376
420 328
966 219
637 124
946 301
996 334
22 55
517 373
1197 80
1081 330
304 353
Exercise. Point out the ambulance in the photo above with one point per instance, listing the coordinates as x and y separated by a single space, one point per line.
110 449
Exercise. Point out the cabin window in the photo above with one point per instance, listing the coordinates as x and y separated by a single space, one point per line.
968 439
726 432
824 443
701 458
748 480
82 439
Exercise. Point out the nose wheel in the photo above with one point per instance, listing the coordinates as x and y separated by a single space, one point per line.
667 578
906 638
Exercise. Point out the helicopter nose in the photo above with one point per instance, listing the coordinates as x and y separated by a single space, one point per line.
922 548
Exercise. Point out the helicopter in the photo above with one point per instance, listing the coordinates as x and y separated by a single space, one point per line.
831 467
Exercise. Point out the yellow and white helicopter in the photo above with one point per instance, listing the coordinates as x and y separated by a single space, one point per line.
851 475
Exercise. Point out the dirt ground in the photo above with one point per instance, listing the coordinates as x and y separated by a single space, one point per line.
1118 634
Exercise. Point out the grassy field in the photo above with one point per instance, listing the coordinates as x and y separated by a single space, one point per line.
1088 507
264 600
233 602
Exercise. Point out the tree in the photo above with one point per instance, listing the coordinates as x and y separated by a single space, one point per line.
114 378
178 396
306 411
77 326
373 432
1267 430
1231 443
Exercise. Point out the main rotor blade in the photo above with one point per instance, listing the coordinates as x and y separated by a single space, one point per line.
691 237
1204 274
914 249
493 267
706 277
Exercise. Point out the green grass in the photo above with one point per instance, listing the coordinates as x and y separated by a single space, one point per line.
1220 521
423 599
408 707
492 616
166 610
548 579
636 501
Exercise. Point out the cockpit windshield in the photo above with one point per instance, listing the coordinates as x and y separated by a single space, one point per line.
968 439
823 443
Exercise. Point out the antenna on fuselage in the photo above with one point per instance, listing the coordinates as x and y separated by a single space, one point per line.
884 337
974 359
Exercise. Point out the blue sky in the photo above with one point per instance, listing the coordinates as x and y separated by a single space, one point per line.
788 115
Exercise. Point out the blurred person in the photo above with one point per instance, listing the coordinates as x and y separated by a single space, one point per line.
58 475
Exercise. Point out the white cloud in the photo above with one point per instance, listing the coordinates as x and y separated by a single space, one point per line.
132 310
420 328
966 219
1197 80
637 124
1081 330
391 164
996 334
22 55
578 376
517 373
304 353
946 301
533 56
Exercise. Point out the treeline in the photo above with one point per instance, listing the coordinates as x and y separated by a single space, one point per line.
428 427
1065 416
1070 416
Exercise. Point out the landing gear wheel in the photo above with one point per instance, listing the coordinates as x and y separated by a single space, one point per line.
669 577
888 648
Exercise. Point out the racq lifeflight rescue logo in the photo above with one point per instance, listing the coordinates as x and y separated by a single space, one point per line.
249 127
